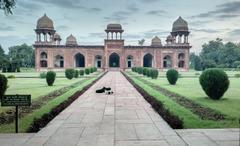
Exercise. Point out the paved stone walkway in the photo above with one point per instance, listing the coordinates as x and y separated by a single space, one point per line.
121 119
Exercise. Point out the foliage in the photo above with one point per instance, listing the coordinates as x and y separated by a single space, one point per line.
81 72
7 6
69 73
3 85
172 76
43 75
11 77
50 77
237 75
87 71
236 64
208 64
154 73
145 71
140 70
76 74
214 82
141 42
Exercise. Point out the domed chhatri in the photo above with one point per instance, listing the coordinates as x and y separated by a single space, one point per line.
114 26
180 25
71 41
45 23
156 41
56 36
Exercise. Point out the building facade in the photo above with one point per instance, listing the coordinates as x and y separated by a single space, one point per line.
50 54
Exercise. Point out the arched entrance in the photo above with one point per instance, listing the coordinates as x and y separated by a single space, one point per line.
114 60
167 62
130 61
147 60
43 59
79 60
59 61
98 61
181 62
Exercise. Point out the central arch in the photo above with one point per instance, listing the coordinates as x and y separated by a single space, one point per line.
167 62
79 60
114 60
147 60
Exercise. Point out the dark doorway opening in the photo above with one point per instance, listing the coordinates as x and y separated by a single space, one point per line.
114 60
79 60
147 60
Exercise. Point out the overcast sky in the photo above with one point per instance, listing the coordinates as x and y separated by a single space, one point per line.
87 20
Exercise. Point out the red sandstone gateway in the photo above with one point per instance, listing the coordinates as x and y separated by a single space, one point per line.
52 55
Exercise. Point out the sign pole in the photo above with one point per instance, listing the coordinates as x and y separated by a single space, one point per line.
16 120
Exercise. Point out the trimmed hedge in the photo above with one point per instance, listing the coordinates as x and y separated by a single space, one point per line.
149 72
172 76
50 77
69 73
43 75
3 85
76 74
81 72
214 82
87 71
154 73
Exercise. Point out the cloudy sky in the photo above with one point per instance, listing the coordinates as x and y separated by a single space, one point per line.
87 19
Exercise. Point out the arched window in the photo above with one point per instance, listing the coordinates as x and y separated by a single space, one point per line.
59 61
79 60
147 60
98 61
130 61
167 62
181 60
114 60
43 59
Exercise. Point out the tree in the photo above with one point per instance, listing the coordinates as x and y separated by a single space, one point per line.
141 42
7 6
197 63
22 55
229 54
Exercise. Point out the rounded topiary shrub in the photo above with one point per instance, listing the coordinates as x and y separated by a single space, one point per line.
214 82
69 73
87 71
81 72
148 74
50 77
42 75
76 74
172 76
3 85
145 71
154 73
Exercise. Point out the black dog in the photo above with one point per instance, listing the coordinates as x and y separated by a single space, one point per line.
103 90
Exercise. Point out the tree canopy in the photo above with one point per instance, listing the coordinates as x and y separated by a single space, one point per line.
7 5
215 53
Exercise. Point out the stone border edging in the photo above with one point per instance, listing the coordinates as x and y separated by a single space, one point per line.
47 117
173 120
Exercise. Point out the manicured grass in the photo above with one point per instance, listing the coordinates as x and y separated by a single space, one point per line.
26 121
190 88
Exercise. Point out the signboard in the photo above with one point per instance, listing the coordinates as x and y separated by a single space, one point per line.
16 100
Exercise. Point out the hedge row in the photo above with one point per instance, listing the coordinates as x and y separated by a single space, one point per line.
72 73
149 72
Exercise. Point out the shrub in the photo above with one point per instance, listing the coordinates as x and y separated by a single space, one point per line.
50 77
148 72
87 71
237 75
69 73
3 85
81 72
172 76
154 73
76 74
91 70
94 69
140 70
214 82
11 77
18 69
43 75
145 71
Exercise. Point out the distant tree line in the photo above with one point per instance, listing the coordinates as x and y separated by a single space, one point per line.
17 57
216 54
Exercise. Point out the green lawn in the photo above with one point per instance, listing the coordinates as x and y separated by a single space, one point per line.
190 88
37 87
